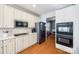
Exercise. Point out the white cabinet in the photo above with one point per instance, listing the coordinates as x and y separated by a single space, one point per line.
6 46
8 20
1 47
9 46
32 21
6 16
12 46
19 43
32 39
17 15
26 41
1 16
9 14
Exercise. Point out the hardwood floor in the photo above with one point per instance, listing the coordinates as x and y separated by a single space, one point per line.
48 47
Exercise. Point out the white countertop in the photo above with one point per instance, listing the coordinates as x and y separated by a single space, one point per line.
5 38
33 33
11 37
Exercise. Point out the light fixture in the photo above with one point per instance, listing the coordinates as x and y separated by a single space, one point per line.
34 5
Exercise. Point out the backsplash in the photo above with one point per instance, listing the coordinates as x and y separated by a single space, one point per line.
21 30
6 32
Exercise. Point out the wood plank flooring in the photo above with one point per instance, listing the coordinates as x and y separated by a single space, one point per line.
48 47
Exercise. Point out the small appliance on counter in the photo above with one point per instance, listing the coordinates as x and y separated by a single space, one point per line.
65 34
34 30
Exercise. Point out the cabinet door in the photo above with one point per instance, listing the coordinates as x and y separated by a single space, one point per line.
34 38
32 21
30 40
5 44
17 14
26 41
8 17
9 46
1 16
19 44
12 46
1 47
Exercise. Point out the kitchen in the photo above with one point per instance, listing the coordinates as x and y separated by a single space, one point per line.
18 27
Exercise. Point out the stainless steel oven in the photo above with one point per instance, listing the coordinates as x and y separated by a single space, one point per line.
65 34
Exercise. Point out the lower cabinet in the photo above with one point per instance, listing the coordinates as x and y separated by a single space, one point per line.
33 39
19 44
9 46
12 46
26 41
1 47
34 36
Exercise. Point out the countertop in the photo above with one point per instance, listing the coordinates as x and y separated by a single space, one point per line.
33 33
15 35
9 37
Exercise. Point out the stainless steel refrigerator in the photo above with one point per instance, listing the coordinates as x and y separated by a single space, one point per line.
41 32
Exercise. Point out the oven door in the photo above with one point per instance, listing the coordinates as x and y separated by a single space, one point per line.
65 41
65 28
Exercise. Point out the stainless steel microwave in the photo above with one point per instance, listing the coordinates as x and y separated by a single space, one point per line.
21 24
65 34
65 28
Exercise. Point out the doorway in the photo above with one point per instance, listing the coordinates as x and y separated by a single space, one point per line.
50 30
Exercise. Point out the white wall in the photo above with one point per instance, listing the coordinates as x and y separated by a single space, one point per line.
47 15
70 14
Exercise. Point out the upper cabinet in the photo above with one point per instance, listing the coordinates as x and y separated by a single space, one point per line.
1 16
24 16
17 14
67 14
8 17
32 20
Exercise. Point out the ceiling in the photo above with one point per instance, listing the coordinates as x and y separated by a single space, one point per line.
41 9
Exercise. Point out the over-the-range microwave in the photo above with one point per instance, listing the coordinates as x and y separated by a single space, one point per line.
21 23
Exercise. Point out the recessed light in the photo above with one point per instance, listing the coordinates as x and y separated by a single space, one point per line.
34 6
